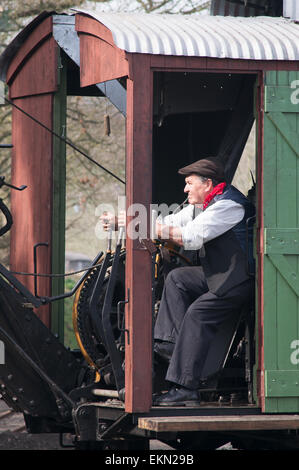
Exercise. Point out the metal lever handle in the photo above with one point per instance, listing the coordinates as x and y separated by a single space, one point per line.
2 183
120 235
119 326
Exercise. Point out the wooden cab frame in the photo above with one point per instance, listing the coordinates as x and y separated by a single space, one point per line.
37 86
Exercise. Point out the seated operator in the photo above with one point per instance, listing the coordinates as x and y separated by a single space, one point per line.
197 299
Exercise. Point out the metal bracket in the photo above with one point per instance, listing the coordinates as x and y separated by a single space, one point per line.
123 302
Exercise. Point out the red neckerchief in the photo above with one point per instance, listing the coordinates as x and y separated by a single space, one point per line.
216 190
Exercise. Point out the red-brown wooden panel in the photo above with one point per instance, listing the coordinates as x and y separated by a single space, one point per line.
38 35
182 63
99 61
138 262
32 208
88 25
38 74
157 60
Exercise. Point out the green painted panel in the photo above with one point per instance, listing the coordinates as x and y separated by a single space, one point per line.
282 405
270 174
270 315
285 269
281 98
282 123
59 184
281 241
282 383
271 78
281 244
281 78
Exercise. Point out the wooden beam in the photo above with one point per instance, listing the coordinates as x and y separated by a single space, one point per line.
32 86
58 199
219 423
138 262
32 208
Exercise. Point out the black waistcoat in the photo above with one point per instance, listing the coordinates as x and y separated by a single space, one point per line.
228 259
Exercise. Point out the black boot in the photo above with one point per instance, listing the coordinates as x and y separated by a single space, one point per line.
178 396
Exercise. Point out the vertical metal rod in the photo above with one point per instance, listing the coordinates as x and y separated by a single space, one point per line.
35 264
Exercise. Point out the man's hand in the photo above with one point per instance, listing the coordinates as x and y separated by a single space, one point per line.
108 220
167 232
111 222
121 219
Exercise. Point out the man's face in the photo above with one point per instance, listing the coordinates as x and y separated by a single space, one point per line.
197 189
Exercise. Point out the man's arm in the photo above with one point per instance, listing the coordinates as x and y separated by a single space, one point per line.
169 227
167 232
211 223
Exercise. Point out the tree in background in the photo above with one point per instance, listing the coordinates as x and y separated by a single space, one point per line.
87 185
157 6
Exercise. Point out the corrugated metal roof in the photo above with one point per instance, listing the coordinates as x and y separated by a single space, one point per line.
256 38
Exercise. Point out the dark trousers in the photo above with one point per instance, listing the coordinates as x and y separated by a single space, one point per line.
189 316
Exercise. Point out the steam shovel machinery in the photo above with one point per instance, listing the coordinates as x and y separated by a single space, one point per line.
82 392
57 389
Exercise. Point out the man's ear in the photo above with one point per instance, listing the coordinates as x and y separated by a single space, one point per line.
210 184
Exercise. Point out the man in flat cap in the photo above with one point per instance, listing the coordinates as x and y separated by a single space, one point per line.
197 299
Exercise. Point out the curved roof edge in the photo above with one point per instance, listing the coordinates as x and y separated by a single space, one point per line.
11 50
249 38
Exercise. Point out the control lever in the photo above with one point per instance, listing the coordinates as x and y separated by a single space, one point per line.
93 303
4 209
2 183
112 350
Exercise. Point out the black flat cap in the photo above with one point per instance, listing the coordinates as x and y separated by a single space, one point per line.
210 167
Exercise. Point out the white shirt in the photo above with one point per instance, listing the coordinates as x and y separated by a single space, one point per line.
217 219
